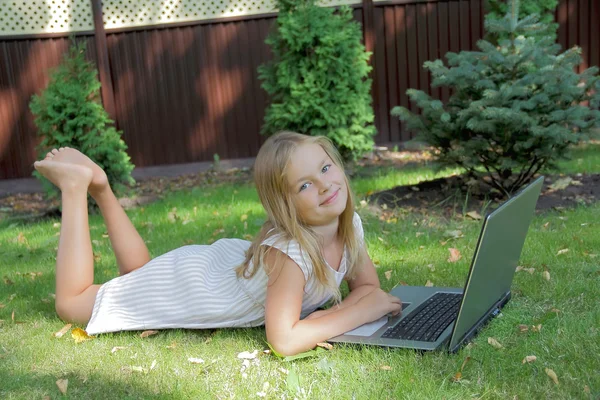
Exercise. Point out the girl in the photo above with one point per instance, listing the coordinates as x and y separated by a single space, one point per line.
312 239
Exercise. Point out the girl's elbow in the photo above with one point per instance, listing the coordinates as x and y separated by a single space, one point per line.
283 347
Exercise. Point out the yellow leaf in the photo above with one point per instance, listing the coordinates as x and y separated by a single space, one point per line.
62 385
474 214
546 275
536 328
457 376
523 328
552 375
529 359
562 251
196 360
386 368
428 283
244 217
454 255
21 239
64 330
494 343
80 335
388 275
145 334
325 345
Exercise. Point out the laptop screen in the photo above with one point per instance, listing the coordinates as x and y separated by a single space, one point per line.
496 256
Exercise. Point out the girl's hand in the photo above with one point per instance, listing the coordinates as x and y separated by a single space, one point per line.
379 303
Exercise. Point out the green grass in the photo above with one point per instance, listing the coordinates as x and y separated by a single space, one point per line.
408 245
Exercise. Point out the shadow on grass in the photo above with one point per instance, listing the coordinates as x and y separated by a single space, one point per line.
90 386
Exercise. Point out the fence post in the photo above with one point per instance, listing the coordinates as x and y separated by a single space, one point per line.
369 37
108 96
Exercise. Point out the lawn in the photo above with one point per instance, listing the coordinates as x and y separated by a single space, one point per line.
553 314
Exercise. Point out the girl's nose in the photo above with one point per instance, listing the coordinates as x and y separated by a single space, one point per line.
325 186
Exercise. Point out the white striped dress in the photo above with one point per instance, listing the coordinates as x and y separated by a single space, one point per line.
196 287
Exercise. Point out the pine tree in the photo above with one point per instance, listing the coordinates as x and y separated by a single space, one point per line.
68 113
318 79
515 107
543 8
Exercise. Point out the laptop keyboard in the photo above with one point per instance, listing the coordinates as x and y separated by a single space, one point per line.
429 320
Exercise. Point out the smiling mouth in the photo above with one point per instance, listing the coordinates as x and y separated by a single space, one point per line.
331 198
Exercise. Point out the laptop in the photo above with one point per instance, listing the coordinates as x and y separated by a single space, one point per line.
445 318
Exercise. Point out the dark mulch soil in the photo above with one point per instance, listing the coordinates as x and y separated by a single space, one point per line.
453 194
448 195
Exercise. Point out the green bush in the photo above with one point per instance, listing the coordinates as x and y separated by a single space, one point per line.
68 113
515 107
318 78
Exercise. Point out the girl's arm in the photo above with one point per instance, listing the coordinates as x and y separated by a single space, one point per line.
288 334
364 283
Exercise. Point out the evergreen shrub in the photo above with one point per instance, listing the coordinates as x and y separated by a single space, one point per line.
318 79
69 113
515 107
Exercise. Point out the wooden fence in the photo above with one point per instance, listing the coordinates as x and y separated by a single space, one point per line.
183 92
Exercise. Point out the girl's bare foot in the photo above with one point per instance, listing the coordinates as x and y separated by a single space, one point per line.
99 181
68 177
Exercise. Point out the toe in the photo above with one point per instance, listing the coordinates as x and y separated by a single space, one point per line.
61 149
54 151
49 155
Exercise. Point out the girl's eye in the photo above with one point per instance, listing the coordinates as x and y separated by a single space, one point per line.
304 186
326 168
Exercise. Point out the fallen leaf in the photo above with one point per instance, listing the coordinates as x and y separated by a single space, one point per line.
244 217
196 360
586 389
561 183
62 385
117 348
21 239
474 215
546 275
246 355
419 234
431 267
80 335
552 375
523 328
2 306
8 281
457 376
293 381
562 251
536 328
56 225
64 330
428 283
529 359
325 345
172 346
135 368
12 316
494 343
546 224
454 255
153 365
388 275
283 370
145 334
530 270
456 234
555 310
385 368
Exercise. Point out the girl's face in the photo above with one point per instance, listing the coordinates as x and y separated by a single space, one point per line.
317 185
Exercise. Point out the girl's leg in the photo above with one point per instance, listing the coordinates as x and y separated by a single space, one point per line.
75 291
129 248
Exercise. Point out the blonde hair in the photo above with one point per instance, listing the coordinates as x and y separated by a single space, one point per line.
270 176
